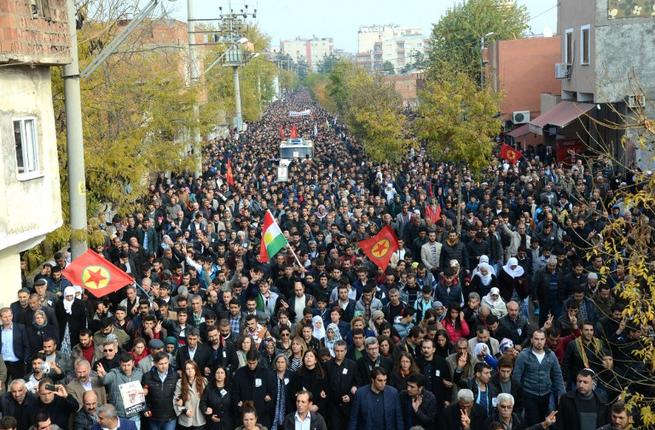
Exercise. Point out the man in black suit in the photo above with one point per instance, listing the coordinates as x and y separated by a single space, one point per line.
13 344
465 414
194 350
346 304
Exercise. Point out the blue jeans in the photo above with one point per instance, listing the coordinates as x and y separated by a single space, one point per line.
162 425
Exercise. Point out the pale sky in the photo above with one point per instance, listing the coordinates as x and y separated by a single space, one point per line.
340 19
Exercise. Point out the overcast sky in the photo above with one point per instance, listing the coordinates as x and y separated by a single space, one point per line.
340 19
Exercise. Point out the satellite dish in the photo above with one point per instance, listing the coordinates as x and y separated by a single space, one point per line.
548 32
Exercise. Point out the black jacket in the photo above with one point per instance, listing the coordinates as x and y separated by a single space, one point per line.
453 417
435 372
316 422
254 386
202 357
220 401
341 379
366 366
568 417
24 413
516 391
160 395
426 414
77 319
312 381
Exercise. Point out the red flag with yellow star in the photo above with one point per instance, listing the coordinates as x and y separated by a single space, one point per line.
380 247
510 154
95 274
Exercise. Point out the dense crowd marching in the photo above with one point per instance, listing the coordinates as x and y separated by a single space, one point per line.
502 326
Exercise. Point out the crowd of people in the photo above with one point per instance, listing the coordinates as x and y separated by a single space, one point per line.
500 322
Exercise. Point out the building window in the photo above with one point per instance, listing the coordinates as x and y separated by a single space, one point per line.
27 149
585 44
568 47
41 9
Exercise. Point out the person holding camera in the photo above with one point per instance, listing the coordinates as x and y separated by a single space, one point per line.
55 400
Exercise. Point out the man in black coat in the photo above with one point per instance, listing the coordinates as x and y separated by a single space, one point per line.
19 403
303 413
255 383
582 407
371 360
343 381
159 395
194 350
465 414
436 372
419 406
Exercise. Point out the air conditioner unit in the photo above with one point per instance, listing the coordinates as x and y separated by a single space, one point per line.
521 117
562 71
636 101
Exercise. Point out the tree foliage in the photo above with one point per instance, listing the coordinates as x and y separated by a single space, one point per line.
457 121
370 108
455 39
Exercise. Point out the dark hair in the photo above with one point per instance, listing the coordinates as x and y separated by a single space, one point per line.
587 373
506 362
618 408
377 372
40 417
8 422
416 378
159 356
252 355
480 366
125 357
86 332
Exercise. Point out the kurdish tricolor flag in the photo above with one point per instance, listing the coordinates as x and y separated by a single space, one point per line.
272 239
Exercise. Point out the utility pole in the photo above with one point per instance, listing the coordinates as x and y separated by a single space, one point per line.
74 134
194 75
482 71
74 141
238 118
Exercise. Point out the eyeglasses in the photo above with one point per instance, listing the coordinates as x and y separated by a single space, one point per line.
284 334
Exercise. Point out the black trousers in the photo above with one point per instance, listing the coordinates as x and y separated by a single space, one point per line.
15 370
536 408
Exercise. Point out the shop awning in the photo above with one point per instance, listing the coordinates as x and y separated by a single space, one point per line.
519 131
559 116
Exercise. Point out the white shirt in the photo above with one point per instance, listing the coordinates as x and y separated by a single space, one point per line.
301 424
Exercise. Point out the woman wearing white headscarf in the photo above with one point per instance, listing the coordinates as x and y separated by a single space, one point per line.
71 315
494 302
332 335
512 280
484 279
319 328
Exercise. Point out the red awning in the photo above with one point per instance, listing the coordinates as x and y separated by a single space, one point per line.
520 131
560 116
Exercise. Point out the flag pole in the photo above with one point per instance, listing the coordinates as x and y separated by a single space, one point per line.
295 256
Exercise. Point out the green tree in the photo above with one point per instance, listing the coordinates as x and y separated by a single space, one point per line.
387 68
455 39
458 121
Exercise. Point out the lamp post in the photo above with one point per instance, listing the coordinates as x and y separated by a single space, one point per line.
482 39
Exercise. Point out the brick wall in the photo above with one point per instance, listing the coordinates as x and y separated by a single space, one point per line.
25 38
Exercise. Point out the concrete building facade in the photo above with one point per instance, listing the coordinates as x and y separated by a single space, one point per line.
312 51
607 70
389 43
32 39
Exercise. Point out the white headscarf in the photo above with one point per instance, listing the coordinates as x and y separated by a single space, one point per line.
319 328
78 291
517 272
485 279
329 344
68 303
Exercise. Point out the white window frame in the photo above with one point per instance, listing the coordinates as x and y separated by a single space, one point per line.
566 46
29 147
582 47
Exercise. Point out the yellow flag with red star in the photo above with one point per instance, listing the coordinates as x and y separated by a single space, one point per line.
95 274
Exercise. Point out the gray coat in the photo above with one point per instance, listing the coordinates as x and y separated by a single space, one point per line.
112 381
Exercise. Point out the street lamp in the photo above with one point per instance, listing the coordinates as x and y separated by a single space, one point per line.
491 33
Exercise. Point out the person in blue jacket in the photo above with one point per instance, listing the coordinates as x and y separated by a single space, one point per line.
376 406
